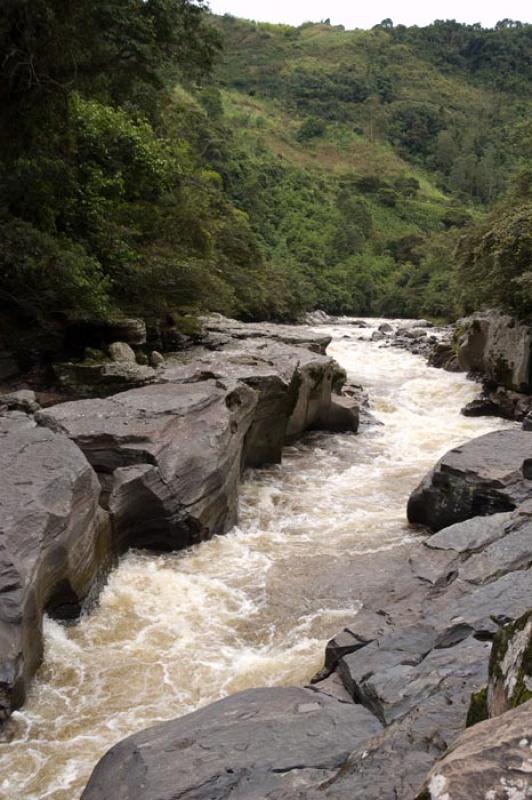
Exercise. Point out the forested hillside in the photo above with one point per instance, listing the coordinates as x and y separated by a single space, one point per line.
158 161
367 156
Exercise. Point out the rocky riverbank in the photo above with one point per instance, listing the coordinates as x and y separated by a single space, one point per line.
156 466
495 349
386 717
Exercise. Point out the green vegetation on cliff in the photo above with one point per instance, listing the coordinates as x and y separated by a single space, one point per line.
159 161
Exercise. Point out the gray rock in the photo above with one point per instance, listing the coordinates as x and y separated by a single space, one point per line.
99 379
293 384
392 675
156 359
288 334
443 356
471 535
385 327
251 745
168 456
492 760
120 351
23 400
318 317
342 415
54 541
500 402
497 346
483 476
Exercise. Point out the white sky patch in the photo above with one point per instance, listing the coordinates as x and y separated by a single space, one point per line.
353 14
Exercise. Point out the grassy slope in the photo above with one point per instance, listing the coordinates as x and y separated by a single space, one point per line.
263 63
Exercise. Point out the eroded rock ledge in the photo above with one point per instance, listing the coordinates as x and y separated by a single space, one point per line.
415 658
155 466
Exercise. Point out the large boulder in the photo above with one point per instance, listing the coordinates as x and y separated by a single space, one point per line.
492 760
294 387
257 744
168 456
486 475
54 541
497 346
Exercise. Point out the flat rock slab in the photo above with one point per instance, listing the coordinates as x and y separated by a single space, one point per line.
54 538
487 475
250 745
395 673
289 334
168 456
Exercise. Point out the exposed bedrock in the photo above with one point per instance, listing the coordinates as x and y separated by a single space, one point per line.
54 541
221 330
156 466
295 390
168 457
257 744
486 475
498 347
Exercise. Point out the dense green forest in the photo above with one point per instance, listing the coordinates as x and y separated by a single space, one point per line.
156 160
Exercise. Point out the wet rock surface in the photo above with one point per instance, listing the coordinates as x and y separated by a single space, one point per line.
294 387
482 477
252 745
168 457
155 466
54 541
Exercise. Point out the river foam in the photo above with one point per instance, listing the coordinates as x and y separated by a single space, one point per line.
254 608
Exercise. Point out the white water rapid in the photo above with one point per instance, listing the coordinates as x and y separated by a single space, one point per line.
254 608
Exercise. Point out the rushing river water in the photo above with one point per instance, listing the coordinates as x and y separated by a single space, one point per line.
253 608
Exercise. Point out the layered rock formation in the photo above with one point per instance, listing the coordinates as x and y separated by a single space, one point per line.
168 457
489 474
54 541
156 466
498 347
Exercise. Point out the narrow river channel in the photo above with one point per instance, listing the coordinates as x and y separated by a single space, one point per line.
254 608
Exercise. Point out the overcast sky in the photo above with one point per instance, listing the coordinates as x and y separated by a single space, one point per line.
365 13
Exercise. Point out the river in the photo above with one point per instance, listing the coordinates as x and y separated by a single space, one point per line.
173 632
